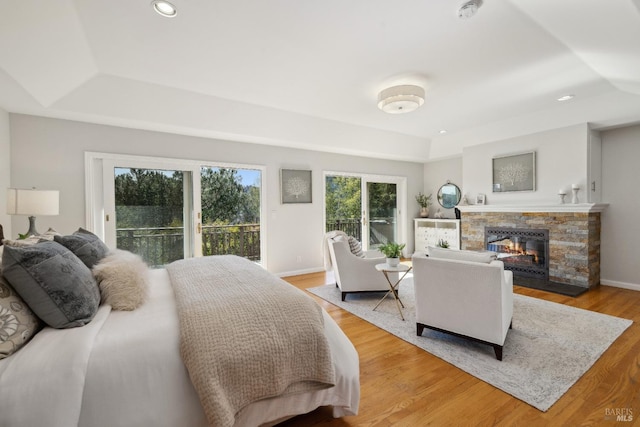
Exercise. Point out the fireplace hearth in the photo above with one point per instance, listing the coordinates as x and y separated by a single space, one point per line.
523 251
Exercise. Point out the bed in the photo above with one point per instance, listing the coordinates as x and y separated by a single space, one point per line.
124 368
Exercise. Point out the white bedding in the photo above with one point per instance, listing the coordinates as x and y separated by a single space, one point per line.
135 377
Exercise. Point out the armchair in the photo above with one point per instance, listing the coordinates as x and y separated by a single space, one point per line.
464 293
356 274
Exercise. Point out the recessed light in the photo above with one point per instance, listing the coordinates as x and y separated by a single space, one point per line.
565 98
442 131
164 8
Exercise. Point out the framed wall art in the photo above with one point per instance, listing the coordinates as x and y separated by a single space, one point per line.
295 186
515 172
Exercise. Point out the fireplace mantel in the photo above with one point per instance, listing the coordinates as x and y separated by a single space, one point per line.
567 207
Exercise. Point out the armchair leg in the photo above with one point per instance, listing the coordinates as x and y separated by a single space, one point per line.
344 295
419 328
498 349
511 325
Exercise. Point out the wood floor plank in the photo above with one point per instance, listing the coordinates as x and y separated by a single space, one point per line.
402 385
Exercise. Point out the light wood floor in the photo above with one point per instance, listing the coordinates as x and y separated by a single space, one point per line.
402 385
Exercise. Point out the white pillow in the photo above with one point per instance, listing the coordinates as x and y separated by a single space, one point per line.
123 279
461 255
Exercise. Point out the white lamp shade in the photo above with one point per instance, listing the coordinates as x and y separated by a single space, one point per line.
33 202
401 99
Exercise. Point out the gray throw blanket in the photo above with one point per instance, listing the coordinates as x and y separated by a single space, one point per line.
246 335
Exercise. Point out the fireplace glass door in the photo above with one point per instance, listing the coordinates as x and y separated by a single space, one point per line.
523 251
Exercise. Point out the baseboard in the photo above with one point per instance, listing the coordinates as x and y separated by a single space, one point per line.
624 285
299 272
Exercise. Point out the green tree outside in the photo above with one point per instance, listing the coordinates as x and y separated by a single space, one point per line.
343 198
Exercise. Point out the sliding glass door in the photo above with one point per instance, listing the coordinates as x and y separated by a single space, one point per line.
365 206
165 210
230 201
343 204
149 210
381 213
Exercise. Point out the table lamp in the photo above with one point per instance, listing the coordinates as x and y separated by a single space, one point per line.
32 202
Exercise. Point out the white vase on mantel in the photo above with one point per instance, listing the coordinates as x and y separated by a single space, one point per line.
574 197
393 262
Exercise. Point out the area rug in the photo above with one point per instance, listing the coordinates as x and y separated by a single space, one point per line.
549 348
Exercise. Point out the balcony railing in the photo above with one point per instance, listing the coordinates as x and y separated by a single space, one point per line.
352 227
242 240
161 245
382 230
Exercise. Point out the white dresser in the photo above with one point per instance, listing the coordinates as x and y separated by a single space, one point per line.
429 231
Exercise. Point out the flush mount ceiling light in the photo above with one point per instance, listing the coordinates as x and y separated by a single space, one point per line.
468 9
164 8
401 99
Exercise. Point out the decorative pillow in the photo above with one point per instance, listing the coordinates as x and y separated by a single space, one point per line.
356 247
55 284
462 255
123 279
85 245
18 324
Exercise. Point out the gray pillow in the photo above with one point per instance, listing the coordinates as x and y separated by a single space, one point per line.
55 284
85 245
18 324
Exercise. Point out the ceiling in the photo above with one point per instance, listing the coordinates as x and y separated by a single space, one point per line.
307 73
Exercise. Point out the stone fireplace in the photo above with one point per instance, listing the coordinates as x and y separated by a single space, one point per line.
572 254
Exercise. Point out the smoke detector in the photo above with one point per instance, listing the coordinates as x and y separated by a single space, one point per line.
468 9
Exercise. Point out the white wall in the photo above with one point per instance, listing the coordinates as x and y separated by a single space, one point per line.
49 154
5 171
436 174
561 160
620 237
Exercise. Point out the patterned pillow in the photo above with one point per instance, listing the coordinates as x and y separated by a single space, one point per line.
18 324
85 245
356 247
55 284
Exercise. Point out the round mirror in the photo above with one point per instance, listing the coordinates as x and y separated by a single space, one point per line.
449 195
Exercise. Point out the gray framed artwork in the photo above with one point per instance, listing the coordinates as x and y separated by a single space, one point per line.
515 172
295 186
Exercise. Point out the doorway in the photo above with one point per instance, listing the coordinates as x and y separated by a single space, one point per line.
367 207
